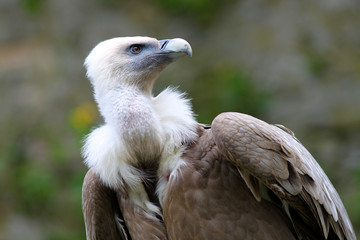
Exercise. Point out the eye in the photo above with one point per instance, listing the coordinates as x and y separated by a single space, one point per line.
135 49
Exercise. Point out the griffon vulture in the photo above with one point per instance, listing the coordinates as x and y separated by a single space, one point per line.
155 173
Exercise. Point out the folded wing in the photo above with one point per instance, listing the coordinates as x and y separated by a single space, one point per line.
102 215
111 215
270 156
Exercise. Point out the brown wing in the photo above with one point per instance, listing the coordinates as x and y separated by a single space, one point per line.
110 215
103 219
141 225
268 155
208 199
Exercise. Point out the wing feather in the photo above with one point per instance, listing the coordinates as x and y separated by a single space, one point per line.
111 215
278 160
102 215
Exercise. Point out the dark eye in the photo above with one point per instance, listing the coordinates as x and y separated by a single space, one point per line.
135 49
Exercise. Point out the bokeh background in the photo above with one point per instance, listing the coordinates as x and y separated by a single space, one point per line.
296 63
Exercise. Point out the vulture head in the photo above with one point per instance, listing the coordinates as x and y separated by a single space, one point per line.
132 62
155 173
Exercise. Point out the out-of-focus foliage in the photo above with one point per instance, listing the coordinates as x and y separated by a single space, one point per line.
83 117
234 91
201 10
32 6
316 64
291 62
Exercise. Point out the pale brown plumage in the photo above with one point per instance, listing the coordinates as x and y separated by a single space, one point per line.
155 173
209 199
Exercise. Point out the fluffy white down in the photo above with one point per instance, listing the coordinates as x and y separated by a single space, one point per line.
106 152
176 116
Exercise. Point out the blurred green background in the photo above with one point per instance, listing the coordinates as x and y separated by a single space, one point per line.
296 63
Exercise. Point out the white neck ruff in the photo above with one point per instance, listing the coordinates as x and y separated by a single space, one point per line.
110 154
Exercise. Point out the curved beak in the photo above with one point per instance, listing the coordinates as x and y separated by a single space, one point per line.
175 47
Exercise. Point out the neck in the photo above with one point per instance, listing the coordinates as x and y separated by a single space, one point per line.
118 98
142 120
142 124
140 130
132 116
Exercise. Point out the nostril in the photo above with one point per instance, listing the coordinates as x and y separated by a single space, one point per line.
163 43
